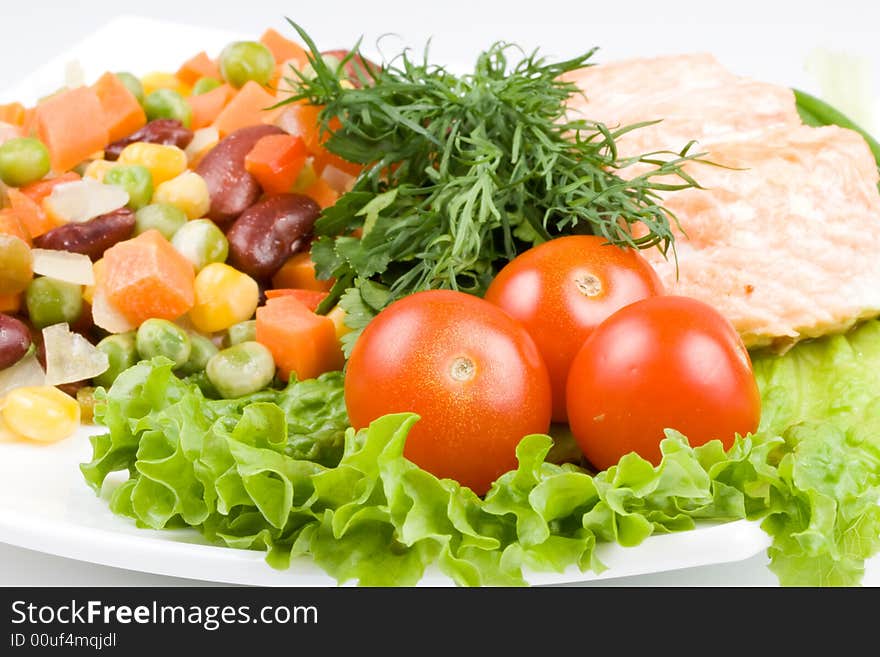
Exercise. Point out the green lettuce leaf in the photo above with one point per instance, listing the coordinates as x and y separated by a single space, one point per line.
280 471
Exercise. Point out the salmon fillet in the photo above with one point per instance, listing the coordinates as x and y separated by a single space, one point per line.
692 96
786 244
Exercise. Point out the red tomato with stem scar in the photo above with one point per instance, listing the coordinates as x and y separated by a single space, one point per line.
470 371
560 291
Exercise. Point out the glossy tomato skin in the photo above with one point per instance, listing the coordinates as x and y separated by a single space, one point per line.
663 362
563 289
471 373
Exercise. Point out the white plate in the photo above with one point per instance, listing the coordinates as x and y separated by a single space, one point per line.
45 504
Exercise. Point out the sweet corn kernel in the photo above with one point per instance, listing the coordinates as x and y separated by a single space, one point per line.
98 271
337 316
161 80
164 162
97 169
188 191
224 296
41 413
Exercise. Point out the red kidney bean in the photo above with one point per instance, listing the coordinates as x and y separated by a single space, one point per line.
232 189
91 237
169 132
355 68
268 233
15 340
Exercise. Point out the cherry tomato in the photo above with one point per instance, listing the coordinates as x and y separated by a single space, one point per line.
471 373
563 289
664 362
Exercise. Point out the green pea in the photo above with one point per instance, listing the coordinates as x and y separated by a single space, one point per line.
202 351
50 301
201 242
164 217
246 60
204 85
241 369
121 350
242 332
23 160
133 84
159 337
134 179
168 104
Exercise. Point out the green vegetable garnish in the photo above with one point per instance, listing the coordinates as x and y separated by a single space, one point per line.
463 172
816 112
268 472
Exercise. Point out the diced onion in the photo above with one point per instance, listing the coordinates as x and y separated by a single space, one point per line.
108 317
74 75
64 266
70 357
288 121
203 139
84 199
339 180
26 372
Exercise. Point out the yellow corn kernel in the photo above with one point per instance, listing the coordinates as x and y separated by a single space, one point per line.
188 191
164 162
7 435
337 316
98 268
41 413
224 296
161 80
97 169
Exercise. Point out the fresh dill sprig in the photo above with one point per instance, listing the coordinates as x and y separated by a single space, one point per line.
463 172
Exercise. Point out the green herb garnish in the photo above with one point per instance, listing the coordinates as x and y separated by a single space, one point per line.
463 172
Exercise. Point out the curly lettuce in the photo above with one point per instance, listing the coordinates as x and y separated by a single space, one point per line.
280 471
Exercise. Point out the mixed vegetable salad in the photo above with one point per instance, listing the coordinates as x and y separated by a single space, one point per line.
388 316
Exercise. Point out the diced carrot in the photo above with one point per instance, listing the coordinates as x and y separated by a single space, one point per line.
302 120
276 162
147 277
198 66
10 224
29 212
206 107
248 107
12 113
72 125
122 111
299 273
322 193
10 303
284 49
301 342
311 299
28 123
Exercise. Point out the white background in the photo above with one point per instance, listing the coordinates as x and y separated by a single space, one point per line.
767 40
